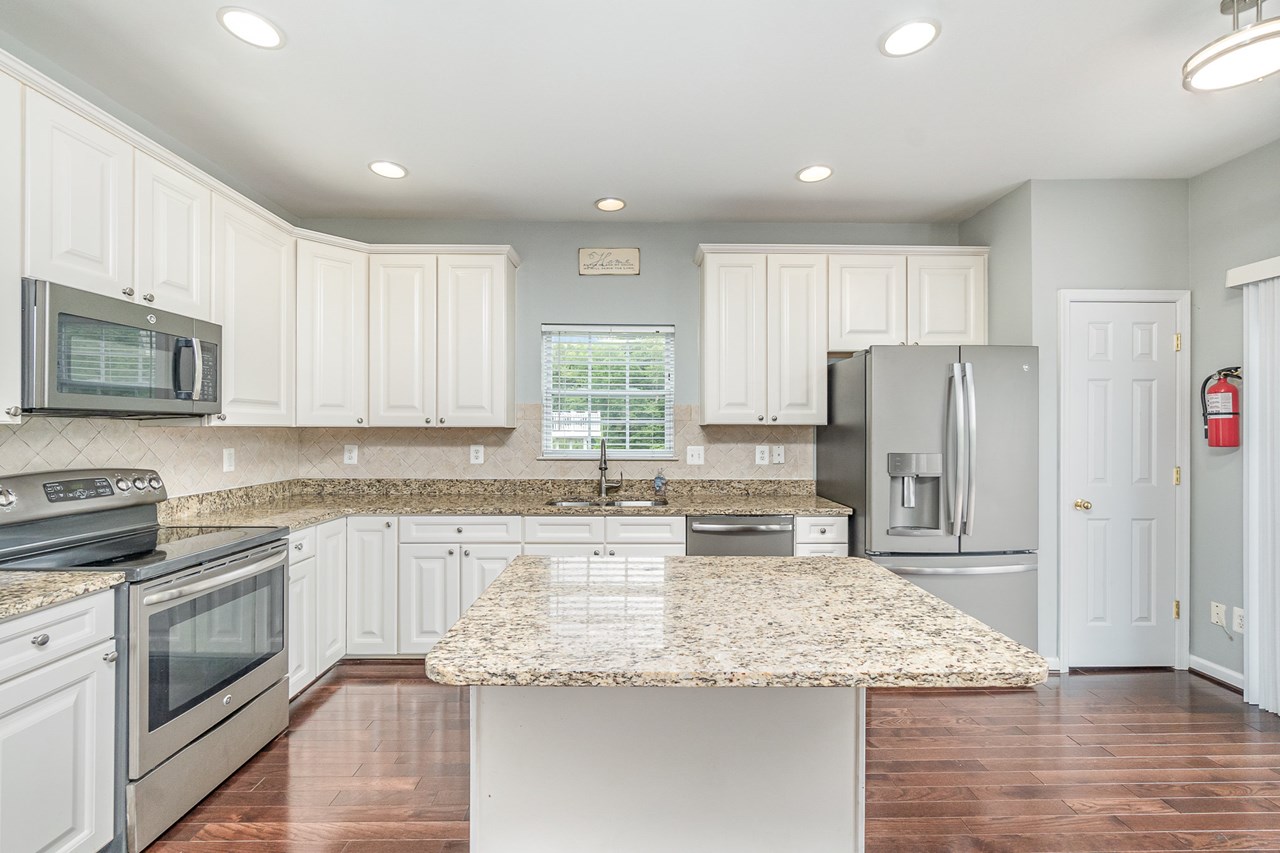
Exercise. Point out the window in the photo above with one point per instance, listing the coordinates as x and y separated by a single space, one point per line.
612 381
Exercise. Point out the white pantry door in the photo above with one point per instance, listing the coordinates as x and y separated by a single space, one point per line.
1119 446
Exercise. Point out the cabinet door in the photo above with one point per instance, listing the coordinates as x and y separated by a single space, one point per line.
481 565
866 301
57 754
946 299
371 585
10 247
302 625
476 305
253 298
333 328
79 201
402 340
429 594
172 229
734 358
331 594
797 339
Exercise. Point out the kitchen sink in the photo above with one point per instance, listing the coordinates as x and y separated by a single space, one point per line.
653 502
571 502
614 503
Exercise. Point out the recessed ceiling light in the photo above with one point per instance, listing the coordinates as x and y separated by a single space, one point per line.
610 205
250 27
910 37
387 169
813 174
1248 53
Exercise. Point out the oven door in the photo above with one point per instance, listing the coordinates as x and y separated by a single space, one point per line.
203 643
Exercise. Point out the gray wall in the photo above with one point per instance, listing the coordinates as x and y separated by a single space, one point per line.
666 291
1005 226
1234 219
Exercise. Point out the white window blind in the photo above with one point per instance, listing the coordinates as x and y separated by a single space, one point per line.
612 381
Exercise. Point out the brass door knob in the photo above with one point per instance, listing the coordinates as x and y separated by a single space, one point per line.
1083 504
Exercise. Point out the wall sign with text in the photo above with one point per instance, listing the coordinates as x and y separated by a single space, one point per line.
608 262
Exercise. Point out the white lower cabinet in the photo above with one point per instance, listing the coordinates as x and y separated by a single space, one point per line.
481 565
650 550
371 585
429 594
331 594
821 536
564 549
302 625
612 536
57 736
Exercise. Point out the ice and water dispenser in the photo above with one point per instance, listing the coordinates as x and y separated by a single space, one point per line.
915 494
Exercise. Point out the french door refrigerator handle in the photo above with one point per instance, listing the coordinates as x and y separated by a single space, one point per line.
957 465
971 475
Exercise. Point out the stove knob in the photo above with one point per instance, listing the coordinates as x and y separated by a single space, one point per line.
140 484
7 498
154 482
123 485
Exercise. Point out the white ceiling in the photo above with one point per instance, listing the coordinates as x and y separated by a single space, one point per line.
688 109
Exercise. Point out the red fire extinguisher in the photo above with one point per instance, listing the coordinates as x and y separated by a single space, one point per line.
1220 408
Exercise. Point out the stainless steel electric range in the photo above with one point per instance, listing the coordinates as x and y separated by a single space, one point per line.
200 623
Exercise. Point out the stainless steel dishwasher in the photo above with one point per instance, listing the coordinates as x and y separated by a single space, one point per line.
739 536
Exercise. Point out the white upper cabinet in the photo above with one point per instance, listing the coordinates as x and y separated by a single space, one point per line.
10 247
797 339
867 301
476 356
79 201
333 328
171 226
402 340
253 298
946 299
734 329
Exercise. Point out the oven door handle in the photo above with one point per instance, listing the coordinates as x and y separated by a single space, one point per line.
197 587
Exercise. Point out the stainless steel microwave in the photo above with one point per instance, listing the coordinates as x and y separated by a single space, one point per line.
86 354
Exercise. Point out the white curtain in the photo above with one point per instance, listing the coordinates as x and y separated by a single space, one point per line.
1261 440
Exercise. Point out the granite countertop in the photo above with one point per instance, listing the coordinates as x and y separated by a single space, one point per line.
298 511
721 622
23 592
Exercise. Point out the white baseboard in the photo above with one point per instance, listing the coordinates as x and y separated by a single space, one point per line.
1228 676
1055 665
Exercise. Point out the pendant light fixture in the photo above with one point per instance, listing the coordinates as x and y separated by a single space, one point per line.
1244 55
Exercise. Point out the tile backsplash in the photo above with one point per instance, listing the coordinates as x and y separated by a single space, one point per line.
190 458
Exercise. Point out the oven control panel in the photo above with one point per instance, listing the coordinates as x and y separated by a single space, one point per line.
78 490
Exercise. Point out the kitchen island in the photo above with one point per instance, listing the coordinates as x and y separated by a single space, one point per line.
583 740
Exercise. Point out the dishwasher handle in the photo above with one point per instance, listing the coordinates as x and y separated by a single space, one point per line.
716 527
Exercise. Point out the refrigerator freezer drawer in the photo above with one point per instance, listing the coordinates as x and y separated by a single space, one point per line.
1006 602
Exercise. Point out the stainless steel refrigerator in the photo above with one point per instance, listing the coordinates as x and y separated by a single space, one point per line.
935 449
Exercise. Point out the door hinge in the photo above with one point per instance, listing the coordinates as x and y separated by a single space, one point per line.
1177 475
1177 609
1177 342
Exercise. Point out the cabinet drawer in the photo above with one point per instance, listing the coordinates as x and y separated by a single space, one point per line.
69 627
819 530
840 549
672 550
644 529
302 544
460 528
563 549
585 529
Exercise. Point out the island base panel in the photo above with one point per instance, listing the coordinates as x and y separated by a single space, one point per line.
638 769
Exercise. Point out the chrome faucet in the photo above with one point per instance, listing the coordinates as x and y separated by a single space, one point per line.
605 484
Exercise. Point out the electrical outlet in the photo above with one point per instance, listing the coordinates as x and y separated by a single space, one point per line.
350 454
1218 613
693 455
477 454
779 454
228 459
1237 619
762 454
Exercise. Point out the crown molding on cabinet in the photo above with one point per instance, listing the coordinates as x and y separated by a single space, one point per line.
47 86
705 249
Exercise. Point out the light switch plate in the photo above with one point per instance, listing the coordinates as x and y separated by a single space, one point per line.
477 454
228 459
693 455
762 454
779 454
350 454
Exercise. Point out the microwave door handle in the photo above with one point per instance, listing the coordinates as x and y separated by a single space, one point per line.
197 352
182 343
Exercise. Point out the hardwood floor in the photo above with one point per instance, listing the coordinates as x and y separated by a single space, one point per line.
376 761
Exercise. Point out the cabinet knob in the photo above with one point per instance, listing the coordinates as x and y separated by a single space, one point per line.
148 297
774 418
40 640
111 656
359 420
297 546
459 529
388 525
442 420
466 553
450 552
13 411
822 530
428 420
127 291
596 552
760 417
222 417
612 553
